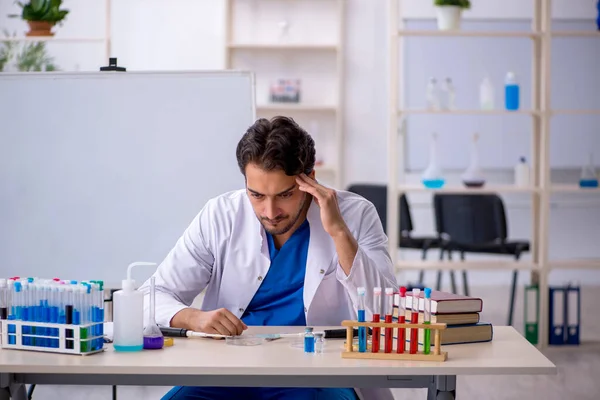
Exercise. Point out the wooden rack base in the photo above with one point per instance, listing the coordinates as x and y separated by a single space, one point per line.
435 354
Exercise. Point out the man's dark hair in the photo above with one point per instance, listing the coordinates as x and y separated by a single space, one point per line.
279 143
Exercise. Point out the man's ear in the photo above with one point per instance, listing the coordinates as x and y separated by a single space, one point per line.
311 174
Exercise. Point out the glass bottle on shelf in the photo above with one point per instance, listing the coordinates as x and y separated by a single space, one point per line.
473 177
589 178
432 176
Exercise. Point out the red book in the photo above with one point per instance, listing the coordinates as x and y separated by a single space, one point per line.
447 303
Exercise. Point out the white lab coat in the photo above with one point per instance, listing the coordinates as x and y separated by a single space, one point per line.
225 251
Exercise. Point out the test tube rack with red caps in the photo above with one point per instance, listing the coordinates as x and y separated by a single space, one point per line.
435 354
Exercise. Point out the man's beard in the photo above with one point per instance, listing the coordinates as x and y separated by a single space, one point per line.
289 226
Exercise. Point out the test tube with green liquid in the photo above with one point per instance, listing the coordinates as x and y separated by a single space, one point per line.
427 321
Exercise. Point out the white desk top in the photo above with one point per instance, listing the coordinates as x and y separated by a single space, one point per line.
508 354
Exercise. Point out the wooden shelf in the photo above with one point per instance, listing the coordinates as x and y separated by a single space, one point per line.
576 34
592 263
53 39
465 265
574 188
283 46
461 33
469 112
575 112
465 190
295 107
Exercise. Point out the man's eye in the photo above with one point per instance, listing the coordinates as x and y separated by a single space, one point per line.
286 195
257 196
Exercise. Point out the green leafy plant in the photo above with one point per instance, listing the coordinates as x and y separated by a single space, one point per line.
42 10
32 57
460 3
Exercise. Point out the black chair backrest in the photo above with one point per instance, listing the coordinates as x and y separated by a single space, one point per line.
377 194
470 218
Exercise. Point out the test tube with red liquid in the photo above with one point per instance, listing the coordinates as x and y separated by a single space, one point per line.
401 344
376 318
389 311
414 319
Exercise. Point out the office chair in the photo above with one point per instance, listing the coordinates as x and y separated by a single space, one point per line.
476 223
377 194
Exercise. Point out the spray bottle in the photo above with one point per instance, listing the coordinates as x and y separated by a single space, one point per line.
128 320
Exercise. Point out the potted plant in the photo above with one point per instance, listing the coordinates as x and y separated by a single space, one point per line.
41 15
449 13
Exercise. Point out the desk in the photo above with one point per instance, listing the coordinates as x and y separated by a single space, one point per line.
202 362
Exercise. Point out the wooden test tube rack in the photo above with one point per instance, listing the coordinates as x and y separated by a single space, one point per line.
435 353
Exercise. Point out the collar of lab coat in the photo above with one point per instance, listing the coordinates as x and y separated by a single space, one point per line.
321 251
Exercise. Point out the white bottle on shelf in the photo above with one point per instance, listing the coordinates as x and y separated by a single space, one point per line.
486 94
432 95
522 173
448 95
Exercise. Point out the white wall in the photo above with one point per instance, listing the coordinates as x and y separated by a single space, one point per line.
189 34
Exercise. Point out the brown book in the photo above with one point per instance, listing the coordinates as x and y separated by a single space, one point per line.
448 319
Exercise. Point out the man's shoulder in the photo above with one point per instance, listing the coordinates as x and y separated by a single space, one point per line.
350 202
226 203
231 200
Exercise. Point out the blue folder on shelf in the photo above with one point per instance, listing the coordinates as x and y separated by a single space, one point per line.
564 315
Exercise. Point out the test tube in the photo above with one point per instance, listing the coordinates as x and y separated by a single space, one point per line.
427 321
414 319
376 318
362 331
401 319
389 311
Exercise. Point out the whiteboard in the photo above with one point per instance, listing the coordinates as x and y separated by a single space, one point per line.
98 170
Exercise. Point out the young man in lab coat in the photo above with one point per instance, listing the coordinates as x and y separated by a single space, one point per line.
285 250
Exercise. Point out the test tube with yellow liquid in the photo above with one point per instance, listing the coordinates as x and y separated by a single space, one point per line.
427 321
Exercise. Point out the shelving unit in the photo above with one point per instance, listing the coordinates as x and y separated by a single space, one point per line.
541 112
106 39
319 65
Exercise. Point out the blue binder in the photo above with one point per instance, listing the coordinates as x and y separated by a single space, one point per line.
564 315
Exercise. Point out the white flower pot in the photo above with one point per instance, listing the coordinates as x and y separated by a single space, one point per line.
448 17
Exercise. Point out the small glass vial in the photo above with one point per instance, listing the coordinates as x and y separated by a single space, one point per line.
309 340
319 342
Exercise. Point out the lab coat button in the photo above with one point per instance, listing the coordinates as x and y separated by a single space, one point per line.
305 310
240 309
260 278
322 271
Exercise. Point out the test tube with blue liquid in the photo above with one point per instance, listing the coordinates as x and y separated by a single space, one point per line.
309 340
362 331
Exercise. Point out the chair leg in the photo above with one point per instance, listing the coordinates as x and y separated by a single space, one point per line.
465 283
422 272
512 297
438 283
452 277
464 275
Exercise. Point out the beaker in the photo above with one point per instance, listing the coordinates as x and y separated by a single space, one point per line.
153 337
589 178
432 176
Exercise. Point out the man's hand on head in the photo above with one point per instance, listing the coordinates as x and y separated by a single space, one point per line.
326 199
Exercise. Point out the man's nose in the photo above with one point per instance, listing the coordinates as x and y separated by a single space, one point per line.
270 209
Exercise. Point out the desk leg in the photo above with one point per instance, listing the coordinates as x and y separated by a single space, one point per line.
443 387
11 390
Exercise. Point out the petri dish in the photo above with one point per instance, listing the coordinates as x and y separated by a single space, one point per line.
244 340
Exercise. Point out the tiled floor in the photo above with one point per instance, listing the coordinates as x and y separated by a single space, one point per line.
578 376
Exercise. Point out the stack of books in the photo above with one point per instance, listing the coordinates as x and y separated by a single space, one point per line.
460 313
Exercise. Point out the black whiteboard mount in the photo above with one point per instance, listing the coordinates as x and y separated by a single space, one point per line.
112 66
